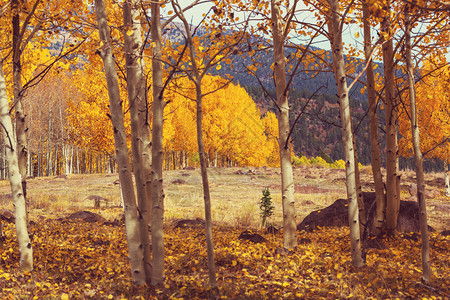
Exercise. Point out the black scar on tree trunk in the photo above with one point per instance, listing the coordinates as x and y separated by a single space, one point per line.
336 215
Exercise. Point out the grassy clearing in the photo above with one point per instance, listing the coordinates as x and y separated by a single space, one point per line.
235 197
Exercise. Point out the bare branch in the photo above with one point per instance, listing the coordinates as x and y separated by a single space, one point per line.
7 135
263 87
299 115
445 140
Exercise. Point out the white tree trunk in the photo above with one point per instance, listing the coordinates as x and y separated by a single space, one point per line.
392 197
157 191
418 159
347 134
140 127
15 178
78 160
287 177
378 221
120 142
21 128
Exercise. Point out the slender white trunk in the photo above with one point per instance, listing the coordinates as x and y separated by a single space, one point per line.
68 149
347 134
21 127
78 161
392 197
120 142
206 192
157 150
15 178
71 160
418 159
287 177
378 220
139 126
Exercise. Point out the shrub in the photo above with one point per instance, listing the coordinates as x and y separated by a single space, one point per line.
319 161
266 207
338 164
300 161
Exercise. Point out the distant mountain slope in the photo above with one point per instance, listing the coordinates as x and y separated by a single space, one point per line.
304 81
318 130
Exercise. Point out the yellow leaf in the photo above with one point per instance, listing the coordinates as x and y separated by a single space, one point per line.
233 263
129 31
64 296
218 67
357 35
339 276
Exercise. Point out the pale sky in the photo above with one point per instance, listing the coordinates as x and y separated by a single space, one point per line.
195 15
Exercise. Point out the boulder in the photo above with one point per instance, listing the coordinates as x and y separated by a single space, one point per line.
252 237
336 215
187 223
7 215
179 181
86 216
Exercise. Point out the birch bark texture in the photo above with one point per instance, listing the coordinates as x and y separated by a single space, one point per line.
140 128
131 219
375 152
15 179
287 177
418 158
335 32
390 107
157 217
21 127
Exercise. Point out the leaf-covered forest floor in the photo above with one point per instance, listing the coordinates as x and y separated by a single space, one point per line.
81 260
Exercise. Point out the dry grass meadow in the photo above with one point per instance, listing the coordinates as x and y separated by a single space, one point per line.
235 197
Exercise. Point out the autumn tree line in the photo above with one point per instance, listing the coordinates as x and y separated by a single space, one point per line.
114 68
72 135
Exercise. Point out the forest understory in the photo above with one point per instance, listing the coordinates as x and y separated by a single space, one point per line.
87 259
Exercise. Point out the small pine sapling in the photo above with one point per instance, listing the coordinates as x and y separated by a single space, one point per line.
266 207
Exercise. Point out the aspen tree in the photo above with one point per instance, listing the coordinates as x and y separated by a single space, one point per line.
140 122
375 153
287 178
197 80
20 126
418 159
25 248
157 215
390 107
335 31
131 219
